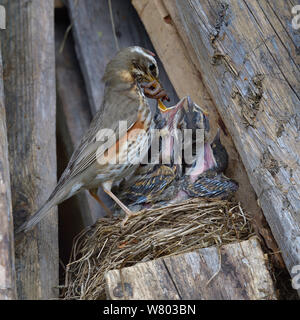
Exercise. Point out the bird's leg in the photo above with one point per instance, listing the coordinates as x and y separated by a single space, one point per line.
93 193
127 211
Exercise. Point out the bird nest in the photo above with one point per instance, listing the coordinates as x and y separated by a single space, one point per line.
151 234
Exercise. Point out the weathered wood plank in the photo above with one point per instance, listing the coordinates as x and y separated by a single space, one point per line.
159 18
235 271
149 280
73 113
7 253
95 45
280 12
254 81
29 84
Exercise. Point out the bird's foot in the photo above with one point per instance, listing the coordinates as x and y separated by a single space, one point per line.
128 214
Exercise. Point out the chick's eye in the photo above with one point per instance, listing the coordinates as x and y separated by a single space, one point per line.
151 67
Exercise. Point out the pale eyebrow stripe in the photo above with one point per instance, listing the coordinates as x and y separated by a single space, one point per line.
145 54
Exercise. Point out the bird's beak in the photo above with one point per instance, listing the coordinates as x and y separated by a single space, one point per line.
205 112
177 106
171 110
161 106
150 78
192 104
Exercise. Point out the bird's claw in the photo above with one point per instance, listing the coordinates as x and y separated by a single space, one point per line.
127 217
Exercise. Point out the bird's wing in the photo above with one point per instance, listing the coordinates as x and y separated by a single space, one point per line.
118 106
210 187
147 185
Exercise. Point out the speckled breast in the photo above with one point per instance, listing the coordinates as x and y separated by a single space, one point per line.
132 147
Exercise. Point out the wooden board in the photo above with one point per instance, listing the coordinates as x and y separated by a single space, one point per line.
7 253
235 271
250 70
29 85
161 21
95 45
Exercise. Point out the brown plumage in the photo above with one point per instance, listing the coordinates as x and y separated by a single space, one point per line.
92 163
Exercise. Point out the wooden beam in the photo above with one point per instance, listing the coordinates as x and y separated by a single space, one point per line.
95 45
29 85
161 22
7 253
252 76
235 271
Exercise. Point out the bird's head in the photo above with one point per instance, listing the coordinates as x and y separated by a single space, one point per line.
167 121
135 65
143 65
132 64
195 117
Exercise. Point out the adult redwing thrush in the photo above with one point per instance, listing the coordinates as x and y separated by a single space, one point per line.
148 181
129 76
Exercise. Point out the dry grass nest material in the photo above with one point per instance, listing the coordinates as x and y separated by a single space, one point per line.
151 234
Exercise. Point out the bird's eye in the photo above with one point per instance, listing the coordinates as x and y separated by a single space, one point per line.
151 67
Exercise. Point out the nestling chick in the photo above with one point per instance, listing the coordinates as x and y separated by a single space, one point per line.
211 183
150 180
204 178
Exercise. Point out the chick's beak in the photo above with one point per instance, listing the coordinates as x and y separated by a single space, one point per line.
161 106
171 112
192 104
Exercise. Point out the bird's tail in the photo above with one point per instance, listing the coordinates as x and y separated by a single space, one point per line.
40 214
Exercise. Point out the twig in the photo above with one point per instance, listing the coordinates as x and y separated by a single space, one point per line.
113 25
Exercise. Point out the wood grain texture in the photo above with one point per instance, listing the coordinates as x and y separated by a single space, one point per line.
29 83
7 253
95 45
250 70
162 23
235 271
